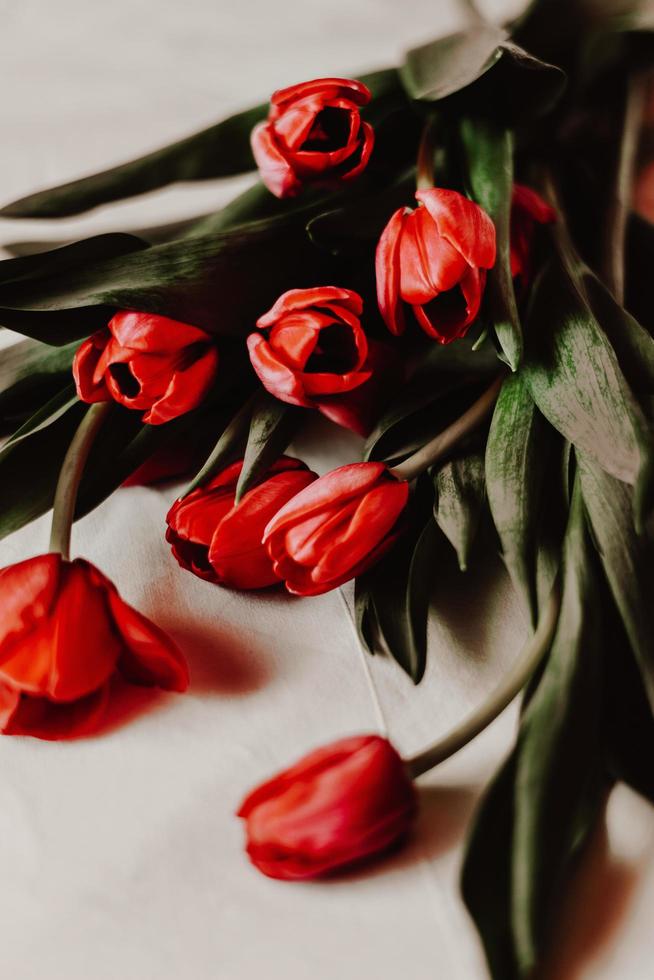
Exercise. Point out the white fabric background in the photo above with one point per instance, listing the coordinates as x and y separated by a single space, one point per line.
121 858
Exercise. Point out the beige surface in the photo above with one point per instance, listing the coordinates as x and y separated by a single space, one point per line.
120 857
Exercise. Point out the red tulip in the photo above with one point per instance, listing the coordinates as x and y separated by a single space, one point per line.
147 362
434 260
314 349
336 528
64 633
219 540
313 133
343 803
527 210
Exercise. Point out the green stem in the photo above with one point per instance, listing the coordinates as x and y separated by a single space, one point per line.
513 683
63 512
441 444
425 161
616 226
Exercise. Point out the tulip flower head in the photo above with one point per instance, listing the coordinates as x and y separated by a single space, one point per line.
219 540
336 807
336 528
314 133
312 350
149 363
64 634
432 261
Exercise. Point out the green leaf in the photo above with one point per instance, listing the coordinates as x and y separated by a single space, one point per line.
29 465
518 454
558 781
633 345
228 447
392 599
272 427
29 372
445 383
629 720
176 279
486 872
481 68
542 806
460 495
222 150
489 153
626 557
61 262
574 377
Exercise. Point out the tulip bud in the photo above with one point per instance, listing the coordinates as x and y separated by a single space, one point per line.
336 528
434 260
314 350
313 133
64 634
219 540
339 805
147 362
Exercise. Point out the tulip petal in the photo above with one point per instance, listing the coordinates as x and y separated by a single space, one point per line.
387 268
276 377
237 554
276 172
333 384
374 518
367 143
42 718
526 200
186 390
347 88
85 363
302 299
148 332
29 589
150 656
463 223
332 490
58 658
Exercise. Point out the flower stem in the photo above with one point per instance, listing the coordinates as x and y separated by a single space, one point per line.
70 475
526 664
445 440
425 161
616 225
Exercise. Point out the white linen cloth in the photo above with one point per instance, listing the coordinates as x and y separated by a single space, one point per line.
121 857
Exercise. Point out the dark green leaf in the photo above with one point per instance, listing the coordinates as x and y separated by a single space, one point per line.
445 383
64 261
518 453
460 494
575 379
29 466
486 872
228 447
482 69
272 427
542 806
632 344
29 372
393 598
558 782
627 560
489 154
629 719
